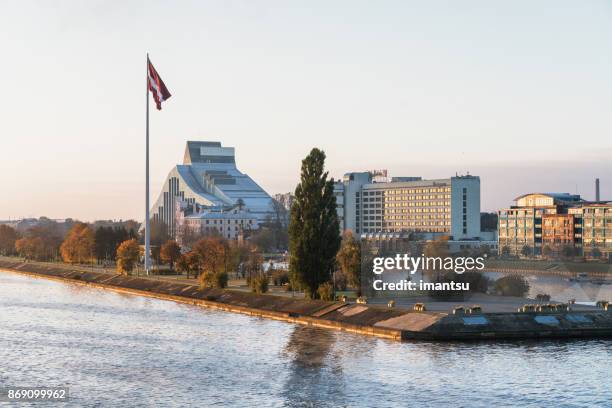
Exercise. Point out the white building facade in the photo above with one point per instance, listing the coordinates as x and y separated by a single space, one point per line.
209 181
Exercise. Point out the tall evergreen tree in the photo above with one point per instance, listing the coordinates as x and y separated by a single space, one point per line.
314 231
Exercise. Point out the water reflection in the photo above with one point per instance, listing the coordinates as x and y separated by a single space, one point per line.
315 370
308 346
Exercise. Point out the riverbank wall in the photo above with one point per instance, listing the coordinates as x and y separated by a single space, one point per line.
394 324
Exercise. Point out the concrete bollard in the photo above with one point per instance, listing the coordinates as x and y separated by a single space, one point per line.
474 309
459 310
419 307
526 308
543 308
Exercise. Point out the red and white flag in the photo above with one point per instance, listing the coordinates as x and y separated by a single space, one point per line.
157 87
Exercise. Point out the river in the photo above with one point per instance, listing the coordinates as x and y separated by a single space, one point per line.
120 350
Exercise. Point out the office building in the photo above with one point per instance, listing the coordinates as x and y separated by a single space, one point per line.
402 205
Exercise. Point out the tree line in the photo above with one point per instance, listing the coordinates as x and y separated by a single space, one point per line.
208 258
70 241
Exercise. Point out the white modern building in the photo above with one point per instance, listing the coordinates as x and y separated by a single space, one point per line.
209 180
448 206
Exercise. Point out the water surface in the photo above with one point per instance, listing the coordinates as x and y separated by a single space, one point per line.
121 350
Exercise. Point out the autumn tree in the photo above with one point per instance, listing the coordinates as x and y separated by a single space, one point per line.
314 230
51 234
30 247
8 237
349 259
212 252
128 255
170 252
78 246
194 260
182 265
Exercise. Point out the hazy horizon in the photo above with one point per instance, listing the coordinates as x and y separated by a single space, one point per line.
517 93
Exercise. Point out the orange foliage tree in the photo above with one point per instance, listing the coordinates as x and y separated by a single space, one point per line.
128 254
170 253
212 251
78 246
30 247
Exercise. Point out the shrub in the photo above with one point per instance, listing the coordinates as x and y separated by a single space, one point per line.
280 277
326 291
214 280
293 285
512 285
220 280
259 284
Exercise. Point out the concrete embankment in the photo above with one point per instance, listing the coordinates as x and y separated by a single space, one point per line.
365 319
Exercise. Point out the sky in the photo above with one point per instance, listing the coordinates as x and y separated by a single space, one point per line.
516 92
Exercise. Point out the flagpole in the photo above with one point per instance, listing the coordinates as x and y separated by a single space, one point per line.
147 261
